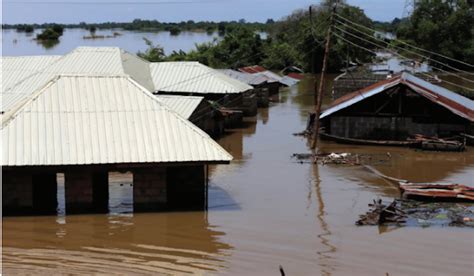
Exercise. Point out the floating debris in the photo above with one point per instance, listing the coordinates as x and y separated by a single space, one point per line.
381 214
414 213
344 158
429 191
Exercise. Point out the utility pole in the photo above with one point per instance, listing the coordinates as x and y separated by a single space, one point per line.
320 91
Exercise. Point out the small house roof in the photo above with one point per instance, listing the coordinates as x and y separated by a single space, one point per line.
193 77
454 102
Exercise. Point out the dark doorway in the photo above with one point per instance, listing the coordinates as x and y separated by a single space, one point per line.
45 191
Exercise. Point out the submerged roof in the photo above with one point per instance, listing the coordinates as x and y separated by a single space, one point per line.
257 70
79 120
193 77
247 78
183 105
454 102
82 60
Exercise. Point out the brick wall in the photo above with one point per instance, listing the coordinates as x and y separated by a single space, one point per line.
149 189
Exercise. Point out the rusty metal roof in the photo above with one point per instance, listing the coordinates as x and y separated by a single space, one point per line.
454 102
80 120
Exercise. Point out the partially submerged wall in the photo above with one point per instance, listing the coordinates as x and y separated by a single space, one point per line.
388 128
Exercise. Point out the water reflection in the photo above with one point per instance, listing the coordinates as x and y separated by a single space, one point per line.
324 255
141 243
47 44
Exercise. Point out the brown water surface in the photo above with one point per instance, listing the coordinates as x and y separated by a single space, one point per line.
265 210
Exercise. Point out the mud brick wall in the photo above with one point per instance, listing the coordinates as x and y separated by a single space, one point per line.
149 189
388 127
17 191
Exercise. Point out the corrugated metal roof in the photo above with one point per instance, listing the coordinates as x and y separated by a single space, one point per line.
183 105
456 103
82 60
247 78
252 69
78 120
15 69
193 77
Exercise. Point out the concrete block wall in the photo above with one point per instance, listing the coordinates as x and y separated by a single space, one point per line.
348 84
149 189
395 128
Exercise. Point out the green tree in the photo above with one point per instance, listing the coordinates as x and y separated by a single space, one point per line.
441 26
154 53
48 34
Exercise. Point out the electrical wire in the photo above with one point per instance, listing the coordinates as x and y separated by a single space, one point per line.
398 54
407 44
404 49
371 51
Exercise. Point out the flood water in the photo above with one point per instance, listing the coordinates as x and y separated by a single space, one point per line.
265 210
19 43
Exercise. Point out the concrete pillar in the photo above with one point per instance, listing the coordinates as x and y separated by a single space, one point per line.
45 193
86 191
149 189
17 192
186 187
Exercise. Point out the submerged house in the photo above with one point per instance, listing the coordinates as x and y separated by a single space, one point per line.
397 108
260 83
197 110
195 79
86 126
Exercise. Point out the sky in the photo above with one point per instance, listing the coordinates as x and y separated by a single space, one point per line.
75 11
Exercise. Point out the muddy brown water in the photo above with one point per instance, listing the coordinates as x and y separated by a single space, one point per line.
265 210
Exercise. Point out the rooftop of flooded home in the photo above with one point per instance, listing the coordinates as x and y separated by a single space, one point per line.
266 209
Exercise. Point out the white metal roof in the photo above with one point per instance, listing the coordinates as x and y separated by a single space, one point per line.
454 102
193 77
183 105
15 69
82 60
251 79
78 120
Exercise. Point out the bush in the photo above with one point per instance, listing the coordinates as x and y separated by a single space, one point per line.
48 34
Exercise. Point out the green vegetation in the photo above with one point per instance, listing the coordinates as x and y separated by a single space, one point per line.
295 40
49 34
444 27
25 28
155 25
154 53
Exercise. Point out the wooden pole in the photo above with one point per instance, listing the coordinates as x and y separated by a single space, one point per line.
320 91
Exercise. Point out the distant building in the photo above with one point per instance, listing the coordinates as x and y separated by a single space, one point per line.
398 107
